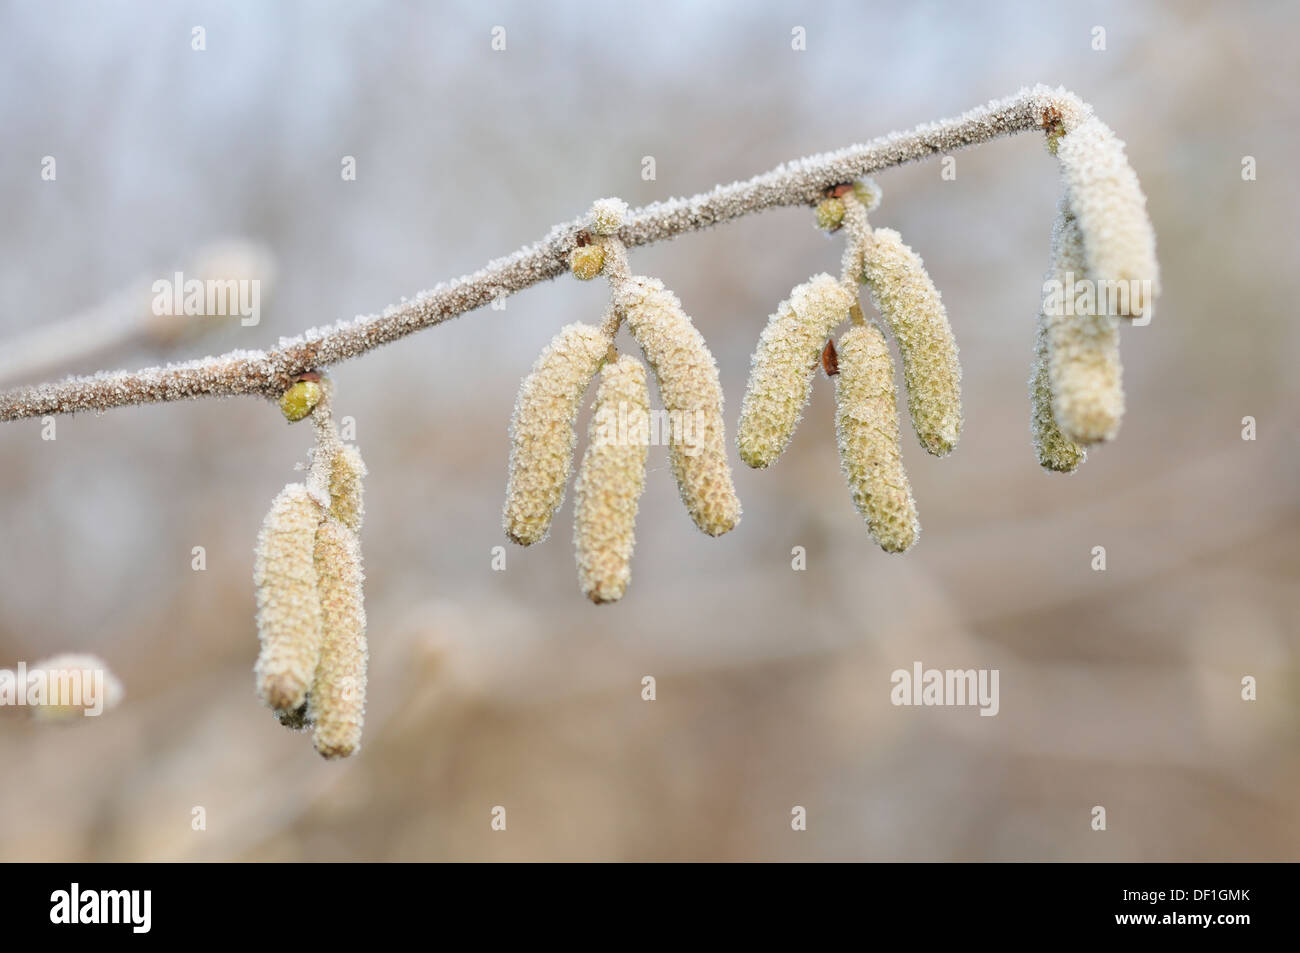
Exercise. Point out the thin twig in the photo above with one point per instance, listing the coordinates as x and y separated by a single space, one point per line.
270 373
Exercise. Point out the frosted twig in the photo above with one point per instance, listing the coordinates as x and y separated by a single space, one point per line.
801 182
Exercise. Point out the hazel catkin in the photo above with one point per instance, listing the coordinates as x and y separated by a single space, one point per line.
1106 198
692 394
288 605
337 702
1083 362
783 366
866 428
610 481
910 304
541 431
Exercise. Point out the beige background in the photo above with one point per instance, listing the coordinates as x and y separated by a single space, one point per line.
1118 688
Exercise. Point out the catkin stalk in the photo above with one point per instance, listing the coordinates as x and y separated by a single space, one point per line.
781 373
610 481
866 427
1083 361
1105 196
910 304
288 606
541 432
337 703
692 394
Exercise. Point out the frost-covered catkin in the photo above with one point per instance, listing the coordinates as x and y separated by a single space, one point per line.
866 426
692 394
1106 198
1083 362
608 490
288 605
541 432
337 703
1055 450
346 472
910 304
781 373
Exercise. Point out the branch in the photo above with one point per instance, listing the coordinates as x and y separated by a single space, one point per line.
270 373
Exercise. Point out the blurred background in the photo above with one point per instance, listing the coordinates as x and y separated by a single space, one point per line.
491 688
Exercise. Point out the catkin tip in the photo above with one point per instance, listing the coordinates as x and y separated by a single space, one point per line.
783 367
541 431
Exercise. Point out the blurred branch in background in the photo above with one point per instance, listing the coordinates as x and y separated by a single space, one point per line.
127 317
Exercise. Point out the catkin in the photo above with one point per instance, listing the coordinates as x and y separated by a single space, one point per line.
337 703
608 490
866 427
781 373
541 432
1083 362
1106 198
288 606
1055 450
910 304
346 472
692 394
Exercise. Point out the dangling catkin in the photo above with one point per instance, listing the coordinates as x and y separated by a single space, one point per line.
1083 361
866 425
346 472
910 304
692 394
337 703
541 432
288 606
1055 450
610 481
781 373
1106 198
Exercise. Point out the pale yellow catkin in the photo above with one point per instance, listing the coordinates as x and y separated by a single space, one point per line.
910 304
781 372
692 394
1083 362
346 472
866 427
288 605
610 481
337 702
1107 200
541 431
1055 450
